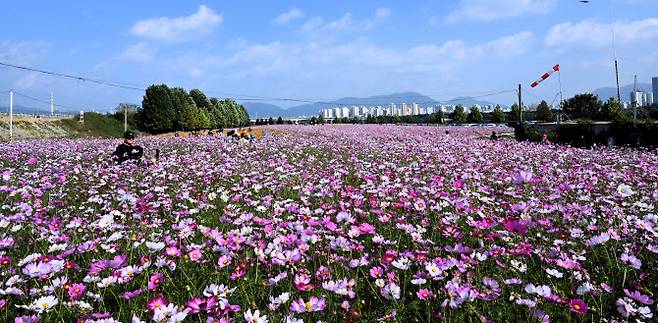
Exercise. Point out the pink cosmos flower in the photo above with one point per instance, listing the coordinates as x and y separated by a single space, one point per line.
155 281
173 251
522 177
224 261
156 302
578 306
314 304
515 227
201 304
76 291
424 294
131 294
195 255
644 299
303 282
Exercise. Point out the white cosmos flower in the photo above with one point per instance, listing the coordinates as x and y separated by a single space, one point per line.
106 221
155 246
625 190
44 303
554 272
255 317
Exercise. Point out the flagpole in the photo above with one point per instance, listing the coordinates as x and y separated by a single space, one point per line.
559 80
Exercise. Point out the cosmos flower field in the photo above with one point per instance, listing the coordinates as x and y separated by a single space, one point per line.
329 223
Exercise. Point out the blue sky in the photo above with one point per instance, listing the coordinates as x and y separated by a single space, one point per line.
323 50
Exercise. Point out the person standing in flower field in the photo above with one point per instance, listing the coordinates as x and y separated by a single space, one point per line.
128 150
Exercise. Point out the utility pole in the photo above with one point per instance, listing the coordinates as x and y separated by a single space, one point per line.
614 48
520 105
125 118
52 104
11 114
635 102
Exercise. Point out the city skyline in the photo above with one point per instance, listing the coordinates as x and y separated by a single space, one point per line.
320 52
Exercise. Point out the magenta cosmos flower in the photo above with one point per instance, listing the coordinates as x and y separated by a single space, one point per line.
578 306
201 304
155 281
157 302
314 304
76 291
424 294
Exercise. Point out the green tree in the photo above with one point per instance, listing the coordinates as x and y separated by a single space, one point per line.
583 106
179 98
270 121
321 119
515 114
431 119
200 99
498 116
204 119
544 112
189 116
474 115
279 120
440 117
395 119
613 112
458 115
157 114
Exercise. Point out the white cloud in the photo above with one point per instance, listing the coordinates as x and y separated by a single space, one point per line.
489 10
299 60
22 53
590 33
140 52
345 23
287 16
180 28
383 13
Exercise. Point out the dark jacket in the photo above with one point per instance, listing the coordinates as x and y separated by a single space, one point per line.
127 152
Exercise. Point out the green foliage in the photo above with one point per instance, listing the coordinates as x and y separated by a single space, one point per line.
395 119
157 114
280 120
474 115
544 112
525 132
585 106
95 125
165 109
515 114
458 115
498 116
200 99
321 120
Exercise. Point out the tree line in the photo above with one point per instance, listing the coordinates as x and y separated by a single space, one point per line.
166 109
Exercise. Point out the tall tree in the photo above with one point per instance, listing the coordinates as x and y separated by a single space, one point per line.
498 115
582 106
179 98
157 114
458 115
200 99
515 114
474 115
544 112
189 116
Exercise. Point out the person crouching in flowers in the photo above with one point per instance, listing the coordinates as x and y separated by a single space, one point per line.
128 150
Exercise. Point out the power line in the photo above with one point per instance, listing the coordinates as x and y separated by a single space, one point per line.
43 101
74 77
238 97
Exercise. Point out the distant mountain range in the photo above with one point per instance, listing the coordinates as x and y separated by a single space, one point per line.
265 110
611 92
